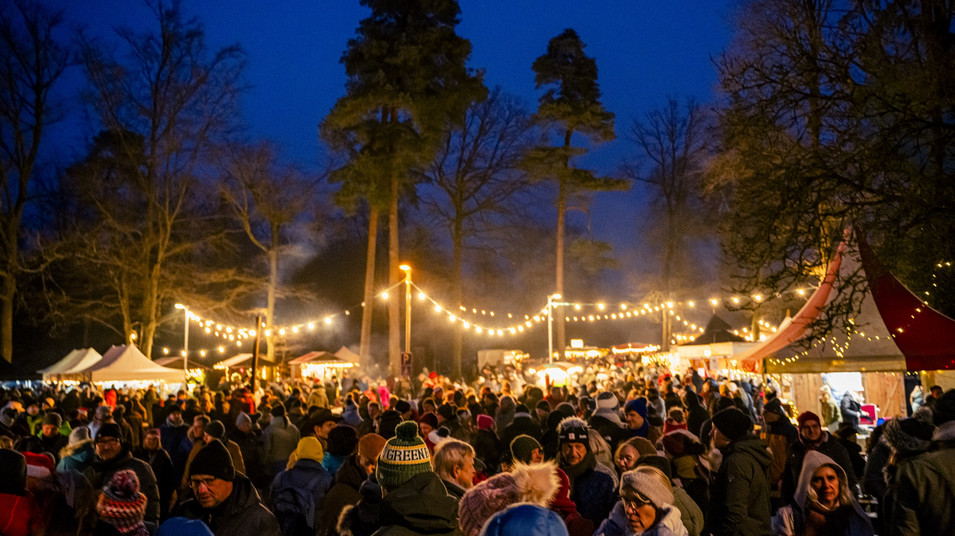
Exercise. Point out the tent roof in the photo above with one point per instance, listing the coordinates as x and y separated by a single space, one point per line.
127 363
345 354
717 330
887 335
175 362
241 360
76 360
313 357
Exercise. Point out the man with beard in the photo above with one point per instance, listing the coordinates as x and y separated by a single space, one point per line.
113 455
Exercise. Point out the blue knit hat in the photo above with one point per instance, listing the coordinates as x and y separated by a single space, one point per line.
524 520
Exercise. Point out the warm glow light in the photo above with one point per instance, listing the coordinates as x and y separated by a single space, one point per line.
202 353
405 268
222 349
421 296
384 295
165 351
328 320
600 306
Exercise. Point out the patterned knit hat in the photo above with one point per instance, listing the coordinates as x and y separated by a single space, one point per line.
403 457
122 505
573 430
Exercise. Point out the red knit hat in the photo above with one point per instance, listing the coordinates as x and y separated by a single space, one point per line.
122 505
807 416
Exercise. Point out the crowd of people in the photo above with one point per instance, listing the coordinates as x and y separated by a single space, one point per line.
618 452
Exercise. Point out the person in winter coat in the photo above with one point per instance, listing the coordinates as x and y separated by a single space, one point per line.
924 491
831 414
279 440
216 430
415 500
525 520
173 434
47 439
487 446
20 515
78 453
291 489
348 480
225 500
630 451
908 439
823 503
453 461
851 409
812 437
535 483
645 507
113 455
159 461
606 420
248 437
780 435
636 413
739 502
592 486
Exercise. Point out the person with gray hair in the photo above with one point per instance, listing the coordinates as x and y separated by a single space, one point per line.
454 462
645 507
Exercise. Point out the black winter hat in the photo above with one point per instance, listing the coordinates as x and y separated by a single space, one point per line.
214 460
342 440
278 410
732 423
53 418
774 406
908 436
573 430
944 410
109 429
216 429
402 406
446 411
387 422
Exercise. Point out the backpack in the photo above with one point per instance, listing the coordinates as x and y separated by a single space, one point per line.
294 505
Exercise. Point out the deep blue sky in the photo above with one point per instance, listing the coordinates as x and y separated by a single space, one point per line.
645 51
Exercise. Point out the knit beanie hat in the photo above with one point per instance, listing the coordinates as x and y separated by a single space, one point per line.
908 436
309 448
439 435
402 406
180 526
523 519
278 410
567 409
7 416
109 429
607 400
536 484
485 422
402 457
522 446
639 405
944 410
388 422
370 445
216 429
732 423
79 435
638 482
39 465
122 505
214 460
807 416
243 418
774 406
342 440
573 430
446 412
53 418
430 419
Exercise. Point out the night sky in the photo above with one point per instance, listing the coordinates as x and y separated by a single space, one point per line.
645 51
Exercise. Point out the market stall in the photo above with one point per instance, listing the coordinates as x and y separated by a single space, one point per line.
77 360
125 364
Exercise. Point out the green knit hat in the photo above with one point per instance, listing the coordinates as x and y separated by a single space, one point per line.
403 457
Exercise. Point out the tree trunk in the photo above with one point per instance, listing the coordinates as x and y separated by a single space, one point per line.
394 277
273 290
6 316
367 308
457 263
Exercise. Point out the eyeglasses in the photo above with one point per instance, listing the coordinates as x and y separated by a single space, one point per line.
635 502
197 482
107 440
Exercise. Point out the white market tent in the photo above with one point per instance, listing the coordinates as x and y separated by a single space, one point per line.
78 359
126 364
345 354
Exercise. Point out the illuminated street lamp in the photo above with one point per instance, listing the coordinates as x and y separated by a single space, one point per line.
550 326
185 346
407 270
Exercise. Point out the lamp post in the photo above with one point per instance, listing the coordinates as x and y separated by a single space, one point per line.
407 270
550 326
185 346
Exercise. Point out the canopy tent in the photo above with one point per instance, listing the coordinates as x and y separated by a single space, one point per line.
125 364
77 360
347 355
315 357
175 362
241 360
894 331
717 331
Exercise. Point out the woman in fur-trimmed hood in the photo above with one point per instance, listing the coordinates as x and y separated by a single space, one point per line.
534 483
823 503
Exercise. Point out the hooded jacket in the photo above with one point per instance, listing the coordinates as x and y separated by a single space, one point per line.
924 493
739 504
76 457
279 440
669 523
344 492
419 506
240 514
790 520
827 446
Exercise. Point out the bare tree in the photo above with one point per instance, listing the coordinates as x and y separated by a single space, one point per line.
32 59
164 101
477 182
266 199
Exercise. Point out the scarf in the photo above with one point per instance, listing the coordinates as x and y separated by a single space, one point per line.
582 467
